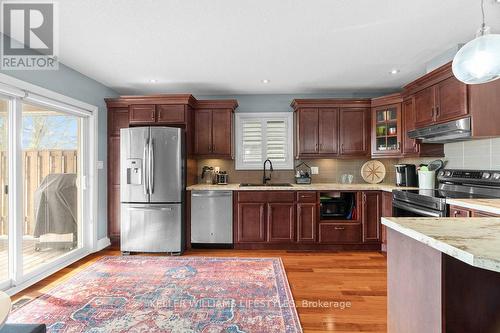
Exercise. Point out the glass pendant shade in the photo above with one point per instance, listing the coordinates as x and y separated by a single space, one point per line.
478 61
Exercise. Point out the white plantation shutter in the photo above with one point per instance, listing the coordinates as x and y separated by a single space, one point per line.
276 140
251 132
260 136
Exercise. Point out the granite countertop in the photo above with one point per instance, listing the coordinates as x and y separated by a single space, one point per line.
475 241
485 205
296 187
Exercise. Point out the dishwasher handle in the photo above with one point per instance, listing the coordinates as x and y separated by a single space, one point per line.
211 194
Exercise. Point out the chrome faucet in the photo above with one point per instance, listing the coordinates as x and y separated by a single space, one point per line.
265 179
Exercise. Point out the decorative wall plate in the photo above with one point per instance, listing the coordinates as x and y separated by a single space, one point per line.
373 172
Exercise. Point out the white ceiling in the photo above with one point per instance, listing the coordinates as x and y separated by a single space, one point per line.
229 46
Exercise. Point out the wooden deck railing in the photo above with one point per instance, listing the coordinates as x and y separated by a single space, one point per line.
36 165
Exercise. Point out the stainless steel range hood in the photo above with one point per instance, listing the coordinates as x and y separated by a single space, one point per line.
456 130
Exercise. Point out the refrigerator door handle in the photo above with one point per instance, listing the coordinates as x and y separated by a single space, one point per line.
151 166
145 176
163 209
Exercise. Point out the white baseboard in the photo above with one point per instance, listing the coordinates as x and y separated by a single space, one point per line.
102 243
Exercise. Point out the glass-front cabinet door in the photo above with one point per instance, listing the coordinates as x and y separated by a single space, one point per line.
387 130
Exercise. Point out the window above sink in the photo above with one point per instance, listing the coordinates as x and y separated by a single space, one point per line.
261 136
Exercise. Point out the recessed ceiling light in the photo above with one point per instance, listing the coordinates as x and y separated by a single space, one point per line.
153 81
394 71
266 81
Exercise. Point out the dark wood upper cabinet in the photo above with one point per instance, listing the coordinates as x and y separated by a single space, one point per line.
280 222
451 100
387 130
142 114
213 133
308 131
321 126
222 121
425 107
372 212
408 111
328 131
439 97
170 114
392 118
354 131
203 132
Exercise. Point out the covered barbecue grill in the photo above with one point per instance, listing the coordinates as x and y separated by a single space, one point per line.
56 212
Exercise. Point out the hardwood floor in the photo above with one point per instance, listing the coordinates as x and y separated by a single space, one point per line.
332 278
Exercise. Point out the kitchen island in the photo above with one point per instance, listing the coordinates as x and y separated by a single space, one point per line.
443 274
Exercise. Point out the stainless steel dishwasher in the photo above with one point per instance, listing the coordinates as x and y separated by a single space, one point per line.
212 217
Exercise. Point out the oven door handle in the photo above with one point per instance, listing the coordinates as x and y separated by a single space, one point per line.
415 210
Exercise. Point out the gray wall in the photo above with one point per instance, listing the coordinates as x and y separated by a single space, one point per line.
281 102
71 83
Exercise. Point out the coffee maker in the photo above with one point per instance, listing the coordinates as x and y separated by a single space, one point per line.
406 175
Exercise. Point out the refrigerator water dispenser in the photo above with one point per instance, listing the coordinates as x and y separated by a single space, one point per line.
134 171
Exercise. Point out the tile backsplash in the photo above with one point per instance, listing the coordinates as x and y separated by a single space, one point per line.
474 154
330 171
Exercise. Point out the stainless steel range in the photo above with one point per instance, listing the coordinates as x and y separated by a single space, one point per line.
456 184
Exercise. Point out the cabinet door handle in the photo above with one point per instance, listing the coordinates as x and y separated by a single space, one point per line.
152 115
433 113
209 148
399 145
213 148
339 228
342 148
437 111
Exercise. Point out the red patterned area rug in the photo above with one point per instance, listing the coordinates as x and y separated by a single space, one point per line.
159 294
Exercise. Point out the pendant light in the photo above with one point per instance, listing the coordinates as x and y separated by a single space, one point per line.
478 61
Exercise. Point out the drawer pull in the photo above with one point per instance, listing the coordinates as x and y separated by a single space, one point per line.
339 228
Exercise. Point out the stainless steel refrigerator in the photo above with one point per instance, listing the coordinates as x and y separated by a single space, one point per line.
151 191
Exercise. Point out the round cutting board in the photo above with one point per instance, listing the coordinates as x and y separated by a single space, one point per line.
373 172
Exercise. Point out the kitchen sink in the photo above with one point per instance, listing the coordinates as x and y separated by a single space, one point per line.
269 184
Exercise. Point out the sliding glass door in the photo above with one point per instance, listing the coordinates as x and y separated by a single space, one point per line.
47 184
4 181
51 158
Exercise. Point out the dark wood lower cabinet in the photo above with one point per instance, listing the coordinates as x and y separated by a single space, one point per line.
307 221
280 222
334 233
290 220
372 206
251 223
386 212
459 212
